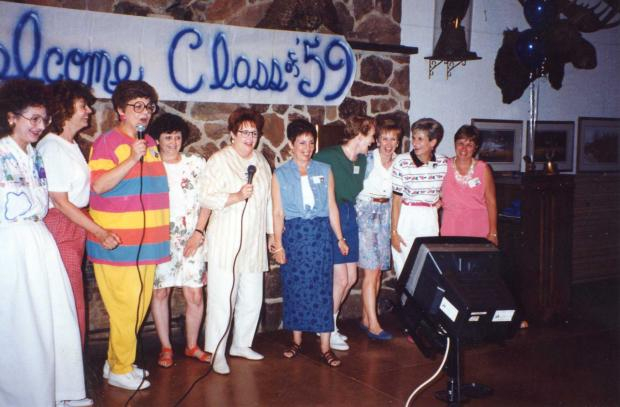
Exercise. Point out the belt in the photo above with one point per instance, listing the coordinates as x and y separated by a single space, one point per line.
375 199
428 205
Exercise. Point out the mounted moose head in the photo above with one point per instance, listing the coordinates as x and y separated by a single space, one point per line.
562 43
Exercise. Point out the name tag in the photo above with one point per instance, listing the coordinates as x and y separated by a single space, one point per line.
317 179
473 182
154 152
356 169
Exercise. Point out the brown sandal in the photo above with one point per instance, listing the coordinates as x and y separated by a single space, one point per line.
330 359
292 351
165 357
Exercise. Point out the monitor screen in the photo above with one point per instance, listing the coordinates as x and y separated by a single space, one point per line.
462 255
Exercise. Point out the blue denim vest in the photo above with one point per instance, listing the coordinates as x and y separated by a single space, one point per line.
289 179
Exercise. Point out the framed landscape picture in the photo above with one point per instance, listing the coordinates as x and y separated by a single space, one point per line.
554 141
501 143
599 144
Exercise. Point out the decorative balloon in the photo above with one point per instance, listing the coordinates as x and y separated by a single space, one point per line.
531 50
540 14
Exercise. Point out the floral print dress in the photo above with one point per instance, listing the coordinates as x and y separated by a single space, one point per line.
180 271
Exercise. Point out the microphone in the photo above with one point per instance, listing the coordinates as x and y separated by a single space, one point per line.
251 172
140 135
140 129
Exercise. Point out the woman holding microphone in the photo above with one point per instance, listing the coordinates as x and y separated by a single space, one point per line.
129 196
236 187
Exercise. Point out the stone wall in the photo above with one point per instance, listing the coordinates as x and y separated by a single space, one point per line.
381 89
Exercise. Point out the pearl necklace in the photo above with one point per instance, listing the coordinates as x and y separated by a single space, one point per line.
464 179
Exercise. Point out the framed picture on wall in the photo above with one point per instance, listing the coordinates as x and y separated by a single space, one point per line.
501 143
554 141
599 144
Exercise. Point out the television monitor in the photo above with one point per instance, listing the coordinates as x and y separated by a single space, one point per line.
456 285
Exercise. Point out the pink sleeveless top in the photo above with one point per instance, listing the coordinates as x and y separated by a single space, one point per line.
464 207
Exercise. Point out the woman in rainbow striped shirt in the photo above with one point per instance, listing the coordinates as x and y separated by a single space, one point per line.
129 197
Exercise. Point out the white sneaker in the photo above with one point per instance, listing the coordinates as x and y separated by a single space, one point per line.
128 381
243 352
336 342
85 402
137 371
342 336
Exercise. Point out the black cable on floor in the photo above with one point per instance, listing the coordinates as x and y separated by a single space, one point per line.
230 316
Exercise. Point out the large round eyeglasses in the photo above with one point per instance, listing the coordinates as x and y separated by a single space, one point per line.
139 107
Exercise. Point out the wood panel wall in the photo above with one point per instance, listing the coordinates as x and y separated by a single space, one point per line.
596 227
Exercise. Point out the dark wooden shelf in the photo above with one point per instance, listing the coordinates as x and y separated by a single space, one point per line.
538 245
391 48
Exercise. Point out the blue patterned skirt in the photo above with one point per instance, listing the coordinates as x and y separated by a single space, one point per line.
307 277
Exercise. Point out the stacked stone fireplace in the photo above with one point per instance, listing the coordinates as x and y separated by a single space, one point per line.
381 89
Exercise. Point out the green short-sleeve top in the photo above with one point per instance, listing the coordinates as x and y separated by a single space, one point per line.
348 175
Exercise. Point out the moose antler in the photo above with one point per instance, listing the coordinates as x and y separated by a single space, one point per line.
586 18
563 43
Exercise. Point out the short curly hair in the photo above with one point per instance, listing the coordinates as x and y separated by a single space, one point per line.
169 123
431 127
244 114
358 125
61 101
389 126
16 95
298 127
128 90
469 133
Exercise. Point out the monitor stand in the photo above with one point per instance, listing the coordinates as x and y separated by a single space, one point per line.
457 393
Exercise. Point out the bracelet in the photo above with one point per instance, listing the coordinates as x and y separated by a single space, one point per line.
200 231
493 234
342 239
277 251
394 231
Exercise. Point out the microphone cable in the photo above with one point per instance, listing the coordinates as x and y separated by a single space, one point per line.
139 347
230 316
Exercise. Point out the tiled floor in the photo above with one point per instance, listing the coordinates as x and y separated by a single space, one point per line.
576 363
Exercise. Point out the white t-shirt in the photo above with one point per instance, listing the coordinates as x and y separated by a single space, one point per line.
66 169
306 192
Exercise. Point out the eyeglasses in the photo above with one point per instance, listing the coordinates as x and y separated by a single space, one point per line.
139 107
248 133
37 120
